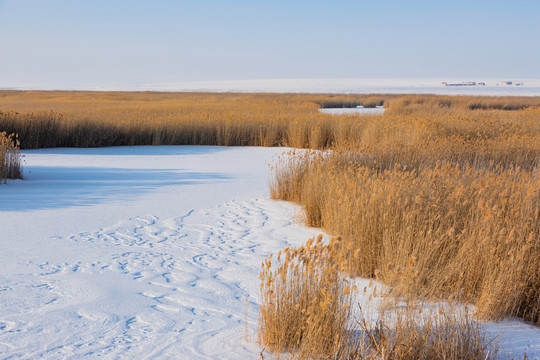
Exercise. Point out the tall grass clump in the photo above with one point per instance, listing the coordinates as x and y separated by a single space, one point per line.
306 303
10 158
408 331
310 310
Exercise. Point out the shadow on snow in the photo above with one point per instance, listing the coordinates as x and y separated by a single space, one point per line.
47 187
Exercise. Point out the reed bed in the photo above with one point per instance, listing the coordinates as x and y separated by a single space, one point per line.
309 309
90 119
84 119
10 158
435 203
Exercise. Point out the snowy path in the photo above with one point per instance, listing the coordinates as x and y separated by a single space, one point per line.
144 252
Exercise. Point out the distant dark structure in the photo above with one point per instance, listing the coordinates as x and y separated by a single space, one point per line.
510 83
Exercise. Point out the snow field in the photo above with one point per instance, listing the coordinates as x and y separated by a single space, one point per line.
171 283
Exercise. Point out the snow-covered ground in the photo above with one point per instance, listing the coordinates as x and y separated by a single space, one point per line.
530 87
147 252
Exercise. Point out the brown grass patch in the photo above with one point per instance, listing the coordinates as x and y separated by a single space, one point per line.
308 309
434 202
89 119
305 301
10 158
86 119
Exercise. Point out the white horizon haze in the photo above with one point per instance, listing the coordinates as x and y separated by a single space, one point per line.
492 87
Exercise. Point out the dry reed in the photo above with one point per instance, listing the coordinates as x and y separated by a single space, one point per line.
308 310
90 119
434 202
10 158
305 301
81 119
408 331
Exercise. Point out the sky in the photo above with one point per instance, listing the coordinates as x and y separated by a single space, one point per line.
95 42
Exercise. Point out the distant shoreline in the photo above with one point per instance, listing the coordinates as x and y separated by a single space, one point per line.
530 87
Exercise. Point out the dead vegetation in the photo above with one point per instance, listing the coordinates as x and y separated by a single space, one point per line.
437 203
85 119
309 309
91 119
10 158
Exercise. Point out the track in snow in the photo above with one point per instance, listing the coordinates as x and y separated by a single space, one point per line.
189 277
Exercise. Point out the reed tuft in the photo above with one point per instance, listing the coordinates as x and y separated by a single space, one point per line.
10 158
309 309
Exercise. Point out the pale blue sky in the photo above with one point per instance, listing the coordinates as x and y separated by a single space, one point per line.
148 41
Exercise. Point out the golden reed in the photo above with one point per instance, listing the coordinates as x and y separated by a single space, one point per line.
309 310
436 201
10 158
